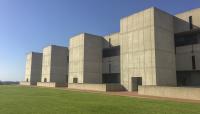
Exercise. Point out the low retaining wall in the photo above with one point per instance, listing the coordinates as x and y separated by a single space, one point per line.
97 87
171 92
46 84
50 84
25 83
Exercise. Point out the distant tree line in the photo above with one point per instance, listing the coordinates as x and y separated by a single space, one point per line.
8 82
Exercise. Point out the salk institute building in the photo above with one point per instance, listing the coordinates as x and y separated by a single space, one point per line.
155 53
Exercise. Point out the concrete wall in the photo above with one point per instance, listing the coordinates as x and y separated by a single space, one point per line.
147 41
184 57
46 84
97 87
76 58
85 58
114 40
59 64
172 92
46 64
24 83
164 48
93 59
182 21
137 48
33 67
55 64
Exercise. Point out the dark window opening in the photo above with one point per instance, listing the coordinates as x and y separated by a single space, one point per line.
113 51
109 42
67 59
111 78
109 68
27 80
75 80
188 78
190 21
45 79
193 63
187 39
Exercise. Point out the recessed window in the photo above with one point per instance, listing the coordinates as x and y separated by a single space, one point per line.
45 79
27 80
113 51
193 63
109 42
190 22
109 68
75 80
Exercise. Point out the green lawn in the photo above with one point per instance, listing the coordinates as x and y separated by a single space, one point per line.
27 100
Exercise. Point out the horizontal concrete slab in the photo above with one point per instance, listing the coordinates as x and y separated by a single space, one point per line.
97 87
171 92
25 83
50 84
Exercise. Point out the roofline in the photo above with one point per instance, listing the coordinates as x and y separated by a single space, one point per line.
33 52
84 33
138 12
187 11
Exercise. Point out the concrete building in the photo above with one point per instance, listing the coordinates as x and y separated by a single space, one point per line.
54 66
152 49
33 68
138 53
85 60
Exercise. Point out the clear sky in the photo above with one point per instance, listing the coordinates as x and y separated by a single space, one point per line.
30 25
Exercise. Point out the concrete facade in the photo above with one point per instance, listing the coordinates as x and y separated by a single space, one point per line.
148 52
97 87
55 65
33 68
147 42
152 48
114 61
85 59
171 92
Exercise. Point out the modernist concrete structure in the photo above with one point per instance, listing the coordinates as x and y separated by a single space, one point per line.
153 48
54 66
143 52
33 68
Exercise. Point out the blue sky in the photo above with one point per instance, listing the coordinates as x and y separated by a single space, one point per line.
30 25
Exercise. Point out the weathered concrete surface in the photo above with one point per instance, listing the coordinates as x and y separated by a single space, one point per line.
24 83
97 87
46 84
50 84
181 23
85 58
33 68
184 57
147 48
171 92
55 64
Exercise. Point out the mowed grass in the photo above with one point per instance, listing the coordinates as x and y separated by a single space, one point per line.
31 100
